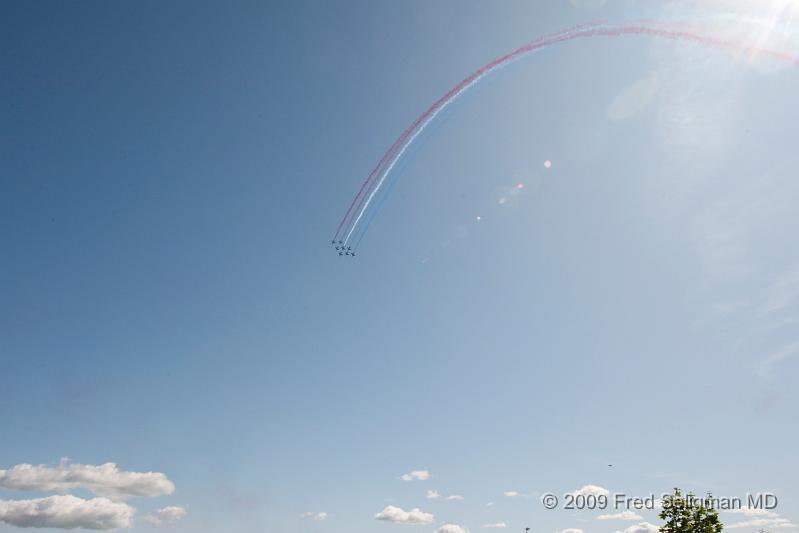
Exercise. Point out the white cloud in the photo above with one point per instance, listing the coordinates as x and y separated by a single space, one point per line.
498 525
490 504
454 497
173 513
782 523
319 517
511 493
752 511
643 527
591 490
432 494
420 475
67 512
451 528
400 516
152 520
572 530
103 480
624 515
165 516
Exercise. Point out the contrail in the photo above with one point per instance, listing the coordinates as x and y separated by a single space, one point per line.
376 179
401 141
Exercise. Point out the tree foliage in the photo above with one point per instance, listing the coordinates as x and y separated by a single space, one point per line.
689 514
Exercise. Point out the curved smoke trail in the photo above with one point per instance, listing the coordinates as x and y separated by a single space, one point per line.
346 222
378 176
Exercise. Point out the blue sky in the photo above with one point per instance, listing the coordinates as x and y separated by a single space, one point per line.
170 177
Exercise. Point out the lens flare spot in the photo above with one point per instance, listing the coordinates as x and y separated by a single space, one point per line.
479 217
502 200
520 185
547 164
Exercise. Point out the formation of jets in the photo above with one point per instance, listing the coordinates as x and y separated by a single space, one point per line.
341 249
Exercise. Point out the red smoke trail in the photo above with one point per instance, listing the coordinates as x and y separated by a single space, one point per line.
372 184
388 155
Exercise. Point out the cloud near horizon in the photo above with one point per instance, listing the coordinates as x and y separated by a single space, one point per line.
400 516
451 528
165 516
435 495
591 490
624 515
643 527
67 512
782 523
418 475
319 517
752 511
105 480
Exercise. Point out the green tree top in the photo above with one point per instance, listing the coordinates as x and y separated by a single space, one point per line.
688 514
